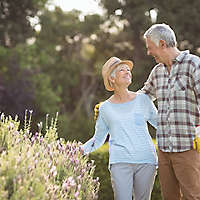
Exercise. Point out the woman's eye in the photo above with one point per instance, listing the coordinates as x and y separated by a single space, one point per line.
124 69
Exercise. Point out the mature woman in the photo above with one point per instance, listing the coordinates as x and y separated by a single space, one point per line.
124 117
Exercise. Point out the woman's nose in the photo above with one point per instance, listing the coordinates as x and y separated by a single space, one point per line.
127 71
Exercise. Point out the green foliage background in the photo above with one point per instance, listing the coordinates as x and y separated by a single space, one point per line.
58 68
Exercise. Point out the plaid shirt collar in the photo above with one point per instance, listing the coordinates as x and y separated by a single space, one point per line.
181 56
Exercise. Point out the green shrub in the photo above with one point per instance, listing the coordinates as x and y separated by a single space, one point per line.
40 167
101 157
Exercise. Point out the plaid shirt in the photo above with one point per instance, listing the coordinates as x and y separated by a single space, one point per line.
178 98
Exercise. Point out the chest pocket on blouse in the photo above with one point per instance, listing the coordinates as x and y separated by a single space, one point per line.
139 119
181 83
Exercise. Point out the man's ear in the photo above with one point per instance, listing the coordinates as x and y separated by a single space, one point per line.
162 44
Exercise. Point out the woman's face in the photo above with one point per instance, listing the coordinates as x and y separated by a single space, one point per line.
123 75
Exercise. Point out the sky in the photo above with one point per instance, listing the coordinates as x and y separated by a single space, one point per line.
86 6
89 7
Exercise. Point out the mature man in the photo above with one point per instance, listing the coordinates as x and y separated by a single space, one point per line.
175 83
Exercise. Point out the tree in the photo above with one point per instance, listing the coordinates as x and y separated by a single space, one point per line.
63 53
16 92
16 89
14 19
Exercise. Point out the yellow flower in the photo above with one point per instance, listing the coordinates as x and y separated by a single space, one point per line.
96 110
196 144
196 141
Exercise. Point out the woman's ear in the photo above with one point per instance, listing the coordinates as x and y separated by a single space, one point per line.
111 79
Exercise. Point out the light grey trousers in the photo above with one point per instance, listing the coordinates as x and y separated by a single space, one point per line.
132 180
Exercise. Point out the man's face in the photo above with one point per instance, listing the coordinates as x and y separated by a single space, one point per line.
154 50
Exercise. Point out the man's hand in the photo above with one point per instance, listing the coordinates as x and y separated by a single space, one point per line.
96 111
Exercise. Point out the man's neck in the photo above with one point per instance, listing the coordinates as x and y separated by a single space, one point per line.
171 54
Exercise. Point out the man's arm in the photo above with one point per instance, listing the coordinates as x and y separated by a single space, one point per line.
196 81
196 86
149 86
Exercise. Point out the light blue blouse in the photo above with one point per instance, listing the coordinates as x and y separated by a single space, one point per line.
126 123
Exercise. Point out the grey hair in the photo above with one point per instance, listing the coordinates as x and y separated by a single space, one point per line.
113 73
159 32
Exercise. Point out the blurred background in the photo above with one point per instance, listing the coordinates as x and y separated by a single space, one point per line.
51 53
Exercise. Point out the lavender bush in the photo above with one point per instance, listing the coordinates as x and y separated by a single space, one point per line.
42 167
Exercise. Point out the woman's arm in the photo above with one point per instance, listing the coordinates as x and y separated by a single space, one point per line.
101 132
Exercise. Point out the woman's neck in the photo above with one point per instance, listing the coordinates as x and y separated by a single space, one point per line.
121 96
